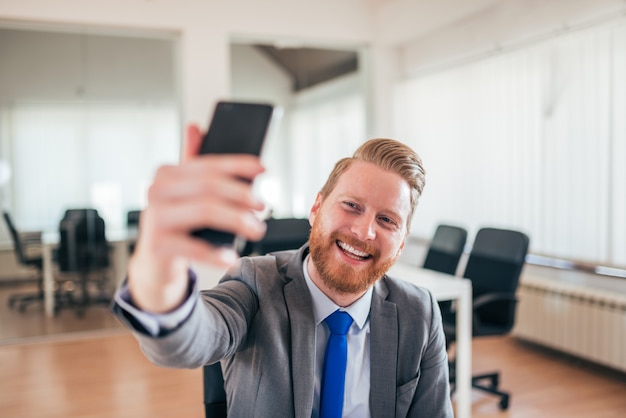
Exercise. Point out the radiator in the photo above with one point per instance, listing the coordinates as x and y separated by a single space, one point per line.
583 321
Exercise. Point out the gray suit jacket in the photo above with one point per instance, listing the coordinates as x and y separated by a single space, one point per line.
259 322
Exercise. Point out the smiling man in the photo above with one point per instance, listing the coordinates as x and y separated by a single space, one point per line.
319 331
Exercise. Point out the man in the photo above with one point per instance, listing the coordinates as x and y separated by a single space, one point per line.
267 319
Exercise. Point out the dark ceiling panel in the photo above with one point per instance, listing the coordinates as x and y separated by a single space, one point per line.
311 66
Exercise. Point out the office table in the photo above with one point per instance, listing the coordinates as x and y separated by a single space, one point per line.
446 287
117 239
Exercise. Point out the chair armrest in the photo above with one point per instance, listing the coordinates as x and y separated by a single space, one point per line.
493 297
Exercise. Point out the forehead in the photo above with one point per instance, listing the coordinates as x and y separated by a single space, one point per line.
375 186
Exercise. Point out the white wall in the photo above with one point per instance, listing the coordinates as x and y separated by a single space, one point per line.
257 78
65 66
206 27
491 26
404 35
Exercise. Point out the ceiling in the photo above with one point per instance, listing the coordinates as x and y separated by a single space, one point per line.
411 18
310 66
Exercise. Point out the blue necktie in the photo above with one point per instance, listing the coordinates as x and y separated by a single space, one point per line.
334 376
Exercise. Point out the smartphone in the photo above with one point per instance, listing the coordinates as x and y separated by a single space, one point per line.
235 128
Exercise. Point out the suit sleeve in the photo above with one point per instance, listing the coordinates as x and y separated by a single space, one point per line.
216 327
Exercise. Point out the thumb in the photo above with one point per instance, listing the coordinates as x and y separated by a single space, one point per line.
192 142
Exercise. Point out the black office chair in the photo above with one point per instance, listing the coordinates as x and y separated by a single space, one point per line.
214 394
283 234
445 249
132 221
494 267
444 252
83 253
21 248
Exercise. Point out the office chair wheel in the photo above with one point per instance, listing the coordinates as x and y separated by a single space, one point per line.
504 403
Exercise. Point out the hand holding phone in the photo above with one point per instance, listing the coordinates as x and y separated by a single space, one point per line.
235 128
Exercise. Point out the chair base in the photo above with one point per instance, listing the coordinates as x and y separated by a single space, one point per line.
21 301
491 387
81 304
81 298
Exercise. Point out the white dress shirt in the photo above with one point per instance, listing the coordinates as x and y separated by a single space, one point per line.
357 388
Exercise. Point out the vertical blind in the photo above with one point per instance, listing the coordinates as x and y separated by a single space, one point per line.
100 155
327 123
532 139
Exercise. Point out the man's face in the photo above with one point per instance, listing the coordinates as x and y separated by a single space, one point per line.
359 230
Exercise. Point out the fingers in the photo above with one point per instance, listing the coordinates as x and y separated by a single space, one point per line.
218 176
203 192
181 247
192 143
181 219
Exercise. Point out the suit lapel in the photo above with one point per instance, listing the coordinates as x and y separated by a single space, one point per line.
302 325
383 353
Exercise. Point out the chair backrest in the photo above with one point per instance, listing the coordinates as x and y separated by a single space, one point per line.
79 213
284 234
214 394
445 249
15 236
83 246
494 266
132 218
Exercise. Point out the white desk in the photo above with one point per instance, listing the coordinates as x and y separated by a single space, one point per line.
118 239
447 287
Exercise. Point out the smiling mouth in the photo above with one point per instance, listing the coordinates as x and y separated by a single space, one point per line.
352 252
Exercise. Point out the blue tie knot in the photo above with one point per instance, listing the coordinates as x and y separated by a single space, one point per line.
339 322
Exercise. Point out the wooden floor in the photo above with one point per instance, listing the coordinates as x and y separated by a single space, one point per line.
107 376
32 325
101 377
70 367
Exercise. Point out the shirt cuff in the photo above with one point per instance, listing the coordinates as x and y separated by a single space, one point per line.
159 324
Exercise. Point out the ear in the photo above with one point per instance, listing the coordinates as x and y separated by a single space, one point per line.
315 208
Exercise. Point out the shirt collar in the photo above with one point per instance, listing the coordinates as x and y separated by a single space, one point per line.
323 306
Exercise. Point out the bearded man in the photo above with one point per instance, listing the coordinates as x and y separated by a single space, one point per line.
270 321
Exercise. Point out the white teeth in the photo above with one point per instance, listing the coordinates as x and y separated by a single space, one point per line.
352 250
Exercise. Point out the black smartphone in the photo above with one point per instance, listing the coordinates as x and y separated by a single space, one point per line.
235 128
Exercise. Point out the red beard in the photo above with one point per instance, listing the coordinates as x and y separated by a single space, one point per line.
344 278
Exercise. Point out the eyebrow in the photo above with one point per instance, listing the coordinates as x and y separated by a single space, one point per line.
387 212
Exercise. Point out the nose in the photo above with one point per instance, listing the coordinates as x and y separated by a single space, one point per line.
364 227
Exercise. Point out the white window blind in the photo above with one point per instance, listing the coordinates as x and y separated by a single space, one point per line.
85 155
531 139
326 124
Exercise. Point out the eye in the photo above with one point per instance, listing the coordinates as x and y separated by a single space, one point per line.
351 205
388 222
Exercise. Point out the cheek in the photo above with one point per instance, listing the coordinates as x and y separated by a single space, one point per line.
394 248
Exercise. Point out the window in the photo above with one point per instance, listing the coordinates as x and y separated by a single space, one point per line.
85 119
532 139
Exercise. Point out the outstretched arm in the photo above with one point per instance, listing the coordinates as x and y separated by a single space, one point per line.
201 192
